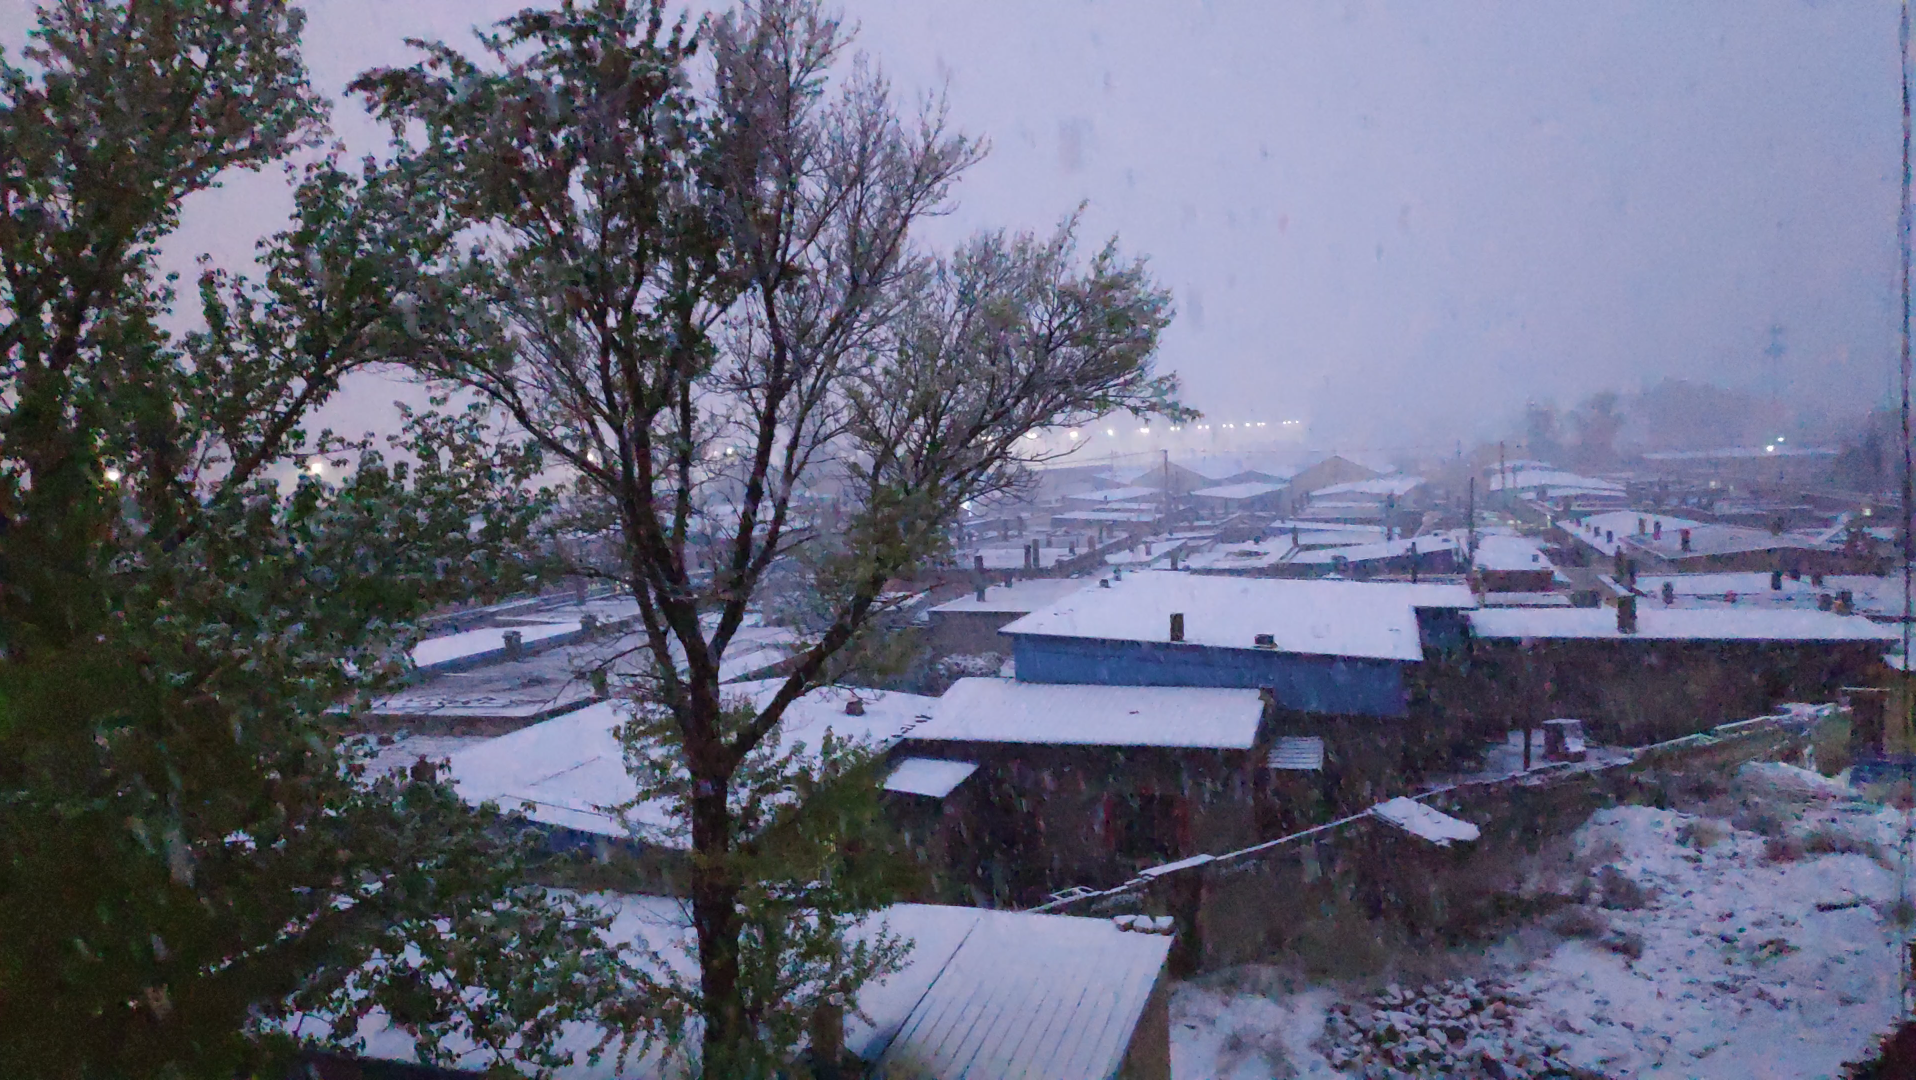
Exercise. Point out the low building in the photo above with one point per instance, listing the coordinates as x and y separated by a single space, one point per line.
1015 789
1670 544
568 774
1333 647
1415 556
1637 673
1507 563
1246 497
981 993
1335 469
970 624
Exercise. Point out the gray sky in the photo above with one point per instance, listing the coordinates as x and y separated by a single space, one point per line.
1392 218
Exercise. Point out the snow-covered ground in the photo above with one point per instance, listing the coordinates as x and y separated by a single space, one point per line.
1751 945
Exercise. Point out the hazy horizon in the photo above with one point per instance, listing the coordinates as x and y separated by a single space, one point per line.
1394 222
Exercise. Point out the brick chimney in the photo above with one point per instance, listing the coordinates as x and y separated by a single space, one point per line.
1683 537
1626 614
515 644
1177 626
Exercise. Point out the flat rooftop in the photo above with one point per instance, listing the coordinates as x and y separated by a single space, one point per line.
1679 624
1327 618
1066 714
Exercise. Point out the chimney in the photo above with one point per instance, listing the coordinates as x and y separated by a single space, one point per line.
1104 583
1174 560
978 563
981 592
1845 602
1656 530
1683 537
589 624
1117 573
1266 641
1776 581
515 644
1177 626
1626 614
1669 593
854 706
1643 526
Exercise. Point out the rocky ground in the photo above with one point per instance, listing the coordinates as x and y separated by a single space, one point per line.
1755 937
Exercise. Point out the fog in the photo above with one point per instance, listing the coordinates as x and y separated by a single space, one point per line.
1396 222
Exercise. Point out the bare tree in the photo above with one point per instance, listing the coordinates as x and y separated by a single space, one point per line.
709 305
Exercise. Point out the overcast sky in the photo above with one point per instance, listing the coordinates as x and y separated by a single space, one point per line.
1390 219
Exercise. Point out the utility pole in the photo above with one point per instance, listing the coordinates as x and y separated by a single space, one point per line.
1470 537
1167 489
1904 958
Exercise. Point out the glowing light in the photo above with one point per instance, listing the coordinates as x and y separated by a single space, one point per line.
316 467
1144 431
113 476
1031 435
1110 431
1073 436
1770 449
1227 425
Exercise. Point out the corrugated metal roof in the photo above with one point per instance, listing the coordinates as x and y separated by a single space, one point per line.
1304 753
1035 998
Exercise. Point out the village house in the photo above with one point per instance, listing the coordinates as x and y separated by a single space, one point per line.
969 625
1507 563
981 993
1014 789
1637 673
1663 543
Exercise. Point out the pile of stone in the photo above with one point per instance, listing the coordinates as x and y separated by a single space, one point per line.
1461 1028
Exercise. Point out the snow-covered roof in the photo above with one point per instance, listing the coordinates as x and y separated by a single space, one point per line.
981 993
473 644
1027 595
1706 538
1248 490
1024 995
1876 595
1115 495
571 769
1382 549
1223 468
1525 599
1737 453
1357 533
935 777
1506 553
1525 479
1380 486
1419 820
1325 618
1678 624
1071 714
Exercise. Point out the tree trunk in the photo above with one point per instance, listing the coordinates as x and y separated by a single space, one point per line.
725 1046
